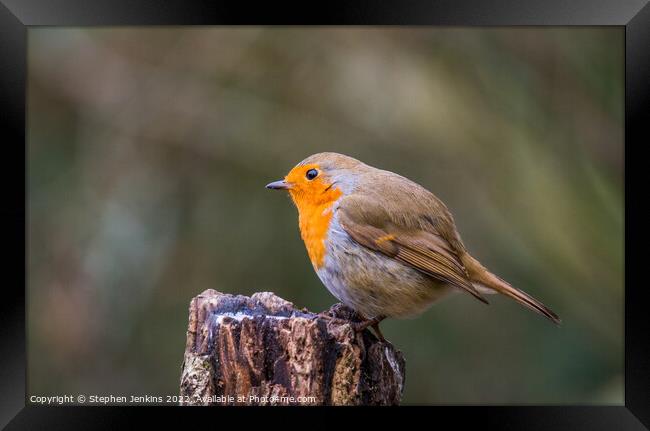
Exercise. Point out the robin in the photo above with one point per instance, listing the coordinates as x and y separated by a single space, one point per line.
382 244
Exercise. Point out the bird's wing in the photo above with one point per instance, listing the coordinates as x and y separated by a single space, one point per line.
377 225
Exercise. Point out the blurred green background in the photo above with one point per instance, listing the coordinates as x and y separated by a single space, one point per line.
149 149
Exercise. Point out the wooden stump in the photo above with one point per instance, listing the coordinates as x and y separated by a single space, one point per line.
262 351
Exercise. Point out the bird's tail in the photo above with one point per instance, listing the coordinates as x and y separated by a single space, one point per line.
483 278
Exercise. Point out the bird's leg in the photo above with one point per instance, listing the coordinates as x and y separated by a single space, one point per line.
374 323
375 327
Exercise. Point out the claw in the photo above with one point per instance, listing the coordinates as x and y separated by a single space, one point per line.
323 315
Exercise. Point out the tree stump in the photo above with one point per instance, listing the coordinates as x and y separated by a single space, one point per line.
262 351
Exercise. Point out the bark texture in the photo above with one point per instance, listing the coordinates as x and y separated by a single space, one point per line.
262 351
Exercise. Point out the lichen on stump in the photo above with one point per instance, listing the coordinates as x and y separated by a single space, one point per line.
262 351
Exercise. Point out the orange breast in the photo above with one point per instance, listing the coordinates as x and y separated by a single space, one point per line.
315 215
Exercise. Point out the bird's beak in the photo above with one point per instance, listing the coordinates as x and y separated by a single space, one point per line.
279 185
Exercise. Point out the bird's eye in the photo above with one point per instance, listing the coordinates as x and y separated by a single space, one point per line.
311 174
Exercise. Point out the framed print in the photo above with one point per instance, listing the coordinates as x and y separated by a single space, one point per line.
430 205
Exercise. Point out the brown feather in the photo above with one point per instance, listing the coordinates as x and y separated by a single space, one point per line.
478 273
428 252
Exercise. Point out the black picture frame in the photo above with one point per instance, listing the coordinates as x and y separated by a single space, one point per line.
16 16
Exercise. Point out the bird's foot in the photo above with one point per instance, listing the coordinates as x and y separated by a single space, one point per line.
326 316
373 323
357 326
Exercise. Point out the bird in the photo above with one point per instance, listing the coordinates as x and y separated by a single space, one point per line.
382 244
